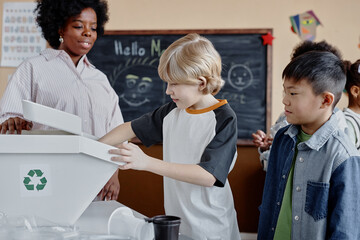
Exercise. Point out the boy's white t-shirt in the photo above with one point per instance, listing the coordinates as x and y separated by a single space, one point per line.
205 137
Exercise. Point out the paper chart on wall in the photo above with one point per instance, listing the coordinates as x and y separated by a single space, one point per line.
21 38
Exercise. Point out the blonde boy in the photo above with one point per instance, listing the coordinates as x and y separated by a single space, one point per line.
199 135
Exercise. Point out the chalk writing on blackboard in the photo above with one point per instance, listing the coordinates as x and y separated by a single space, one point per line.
130 62
135 50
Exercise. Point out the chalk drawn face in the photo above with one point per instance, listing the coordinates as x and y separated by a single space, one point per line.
137 85
305 25
240 76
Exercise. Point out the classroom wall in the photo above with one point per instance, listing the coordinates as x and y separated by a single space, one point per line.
340 26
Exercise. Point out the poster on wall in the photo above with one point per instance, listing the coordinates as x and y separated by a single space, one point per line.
21 38
304 25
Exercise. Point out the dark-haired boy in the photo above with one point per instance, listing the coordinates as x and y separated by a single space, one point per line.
312 186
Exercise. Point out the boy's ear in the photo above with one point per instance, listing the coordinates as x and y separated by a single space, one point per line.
328 99
354 91
203 83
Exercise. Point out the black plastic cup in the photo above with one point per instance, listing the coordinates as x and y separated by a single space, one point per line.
166 227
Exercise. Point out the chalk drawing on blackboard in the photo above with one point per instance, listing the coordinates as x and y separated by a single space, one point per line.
248 94
232 97
138 86
240 76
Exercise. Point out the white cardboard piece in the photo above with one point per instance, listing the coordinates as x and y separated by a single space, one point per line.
54 118
54 177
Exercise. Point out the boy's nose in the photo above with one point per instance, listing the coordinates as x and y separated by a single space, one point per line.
168 90
285 101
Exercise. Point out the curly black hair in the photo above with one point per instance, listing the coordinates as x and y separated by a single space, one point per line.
307 46
51 16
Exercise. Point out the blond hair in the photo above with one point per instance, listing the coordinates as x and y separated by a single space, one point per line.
189 58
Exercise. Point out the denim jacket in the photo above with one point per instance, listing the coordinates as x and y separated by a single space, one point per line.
326 185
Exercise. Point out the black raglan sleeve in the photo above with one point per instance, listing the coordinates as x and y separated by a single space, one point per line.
148 127
220 153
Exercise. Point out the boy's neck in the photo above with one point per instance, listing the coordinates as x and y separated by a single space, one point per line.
311 128
206 101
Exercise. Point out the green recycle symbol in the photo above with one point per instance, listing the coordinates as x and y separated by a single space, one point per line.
29 184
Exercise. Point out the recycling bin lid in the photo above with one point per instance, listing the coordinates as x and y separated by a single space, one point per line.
54 118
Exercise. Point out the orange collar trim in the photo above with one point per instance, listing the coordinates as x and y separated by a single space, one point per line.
204 110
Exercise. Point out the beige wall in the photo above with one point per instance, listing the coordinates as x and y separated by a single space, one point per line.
341 25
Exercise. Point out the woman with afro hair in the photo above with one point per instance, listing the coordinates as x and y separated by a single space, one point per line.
62 77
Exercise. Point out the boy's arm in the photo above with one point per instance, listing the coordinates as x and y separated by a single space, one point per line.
190 173
344 201
118 135
137 159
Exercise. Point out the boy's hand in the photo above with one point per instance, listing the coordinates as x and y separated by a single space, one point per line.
131 155
261 140
13 124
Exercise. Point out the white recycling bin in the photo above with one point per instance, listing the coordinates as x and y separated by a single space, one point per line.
54 177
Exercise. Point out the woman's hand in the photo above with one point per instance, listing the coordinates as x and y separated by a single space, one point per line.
111 189
15 124
131 155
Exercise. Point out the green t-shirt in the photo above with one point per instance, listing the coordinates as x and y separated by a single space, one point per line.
283 226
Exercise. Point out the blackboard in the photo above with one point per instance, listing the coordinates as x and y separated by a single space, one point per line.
130 60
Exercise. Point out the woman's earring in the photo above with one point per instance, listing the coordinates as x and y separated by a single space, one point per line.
61 40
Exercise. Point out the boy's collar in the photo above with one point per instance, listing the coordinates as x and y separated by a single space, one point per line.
320 137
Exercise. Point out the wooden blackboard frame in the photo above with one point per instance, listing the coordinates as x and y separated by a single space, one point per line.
241 142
